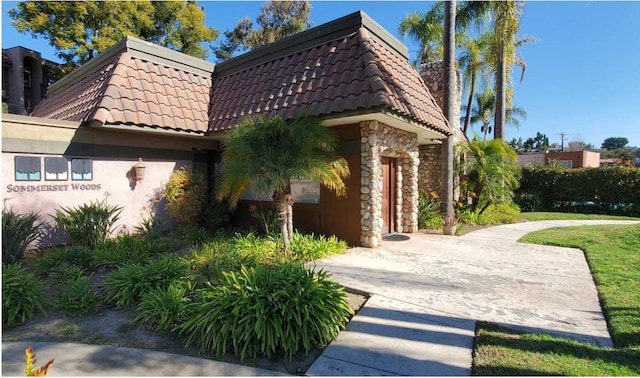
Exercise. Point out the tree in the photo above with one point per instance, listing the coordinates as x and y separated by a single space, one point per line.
277 20
80 30
578 145
270 152
474 65
451 90
484 109
491 172
426 29
615 143
505 16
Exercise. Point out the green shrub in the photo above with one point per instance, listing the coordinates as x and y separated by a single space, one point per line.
192 234
88 224
310 247
50 259
65 273
77 298
267 310
162 309
18 231
250 243
126 249
215 214
22 295
503 213
612 190
268 219
150 227
429 211
126 285
185 194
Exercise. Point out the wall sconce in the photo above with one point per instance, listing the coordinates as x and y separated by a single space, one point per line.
138 170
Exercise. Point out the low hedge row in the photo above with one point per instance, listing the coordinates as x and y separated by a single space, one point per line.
612 190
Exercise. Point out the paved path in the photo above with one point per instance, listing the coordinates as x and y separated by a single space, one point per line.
429 290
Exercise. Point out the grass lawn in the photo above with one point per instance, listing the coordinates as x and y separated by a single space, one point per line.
542 216
613 254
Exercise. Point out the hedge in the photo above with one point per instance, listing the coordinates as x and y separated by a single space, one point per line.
611 190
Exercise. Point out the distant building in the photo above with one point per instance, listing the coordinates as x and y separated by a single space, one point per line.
569 159
25 78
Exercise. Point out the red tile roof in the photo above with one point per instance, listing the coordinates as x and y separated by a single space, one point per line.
352 73
343 67
132 91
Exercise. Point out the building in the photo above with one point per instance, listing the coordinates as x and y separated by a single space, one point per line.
26 78
138 101
568 159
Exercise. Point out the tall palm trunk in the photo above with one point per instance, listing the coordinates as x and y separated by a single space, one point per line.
449 102
501 97
284 209
467 116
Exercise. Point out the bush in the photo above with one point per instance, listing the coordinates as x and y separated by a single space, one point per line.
18 231
161 310
613 190
127 285
267 310
495 214
22 295
88 224
150 227
192 234
185 193
429 211
127 249
65 273
310 247
50 260
77 298
216 214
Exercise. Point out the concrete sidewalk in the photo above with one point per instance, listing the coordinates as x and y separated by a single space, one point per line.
82 360
430 289
428 292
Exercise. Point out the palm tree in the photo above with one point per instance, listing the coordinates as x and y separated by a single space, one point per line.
474 65
270 152
451 89
506 22
484 109
491 170
426 29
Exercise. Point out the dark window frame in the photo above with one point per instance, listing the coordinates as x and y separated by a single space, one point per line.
46 172
73 172
29 178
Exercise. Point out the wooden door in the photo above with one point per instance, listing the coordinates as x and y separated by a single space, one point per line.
388 194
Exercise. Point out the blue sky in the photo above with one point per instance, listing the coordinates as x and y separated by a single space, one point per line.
583 71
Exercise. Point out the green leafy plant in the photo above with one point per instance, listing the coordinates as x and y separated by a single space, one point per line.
185 194
150 227
22 295
429 211
127 285
65 273
88 224
18 231
77 298
127 249
162 309
267 310
192 234
216 213
50 259
311 247
268 219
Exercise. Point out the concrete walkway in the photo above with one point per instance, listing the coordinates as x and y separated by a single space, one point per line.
430 289
428 292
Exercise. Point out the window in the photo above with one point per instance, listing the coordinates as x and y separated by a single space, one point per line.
27 78
305 191
27 168
56 169
81 169
566 163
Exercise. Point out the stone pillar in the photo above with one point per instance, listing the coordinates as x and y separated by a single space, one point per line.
371 185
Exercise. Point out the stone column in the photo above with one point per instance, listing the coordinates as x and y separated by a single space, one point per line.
371 185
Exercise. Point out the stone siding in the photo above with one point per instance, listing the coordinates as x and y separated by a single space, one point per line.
380 140
430 179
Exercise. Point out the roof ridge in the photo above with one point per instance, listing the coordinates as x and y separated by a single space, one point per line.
374 74
112 90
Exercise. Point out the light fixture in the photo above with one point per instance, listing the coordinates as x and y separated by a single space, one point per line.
138 170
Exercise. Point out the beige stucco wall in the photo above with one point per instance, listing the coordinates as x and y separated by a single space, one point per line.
113 152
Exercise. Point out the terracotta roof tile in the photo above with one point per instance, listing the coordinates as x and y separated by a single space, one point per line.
131 90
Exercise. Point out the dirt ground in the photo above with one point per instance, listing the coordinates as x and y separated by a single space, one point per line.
113 327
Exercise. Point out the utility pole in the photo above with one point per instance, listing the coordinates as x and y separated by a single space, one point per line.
562 135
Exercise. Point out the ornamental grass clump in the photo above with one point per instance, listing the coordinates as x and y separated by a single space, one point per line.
88 224
127 249
126 285
50 260
162 309
267 310
77 298
18 231
22 295
310 247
